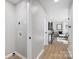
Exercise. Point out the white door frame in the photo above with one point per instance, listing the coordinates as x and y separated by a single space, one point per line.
46 31
29 32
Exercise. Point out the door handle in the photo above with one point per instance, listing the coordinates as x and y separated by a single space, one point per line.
29 37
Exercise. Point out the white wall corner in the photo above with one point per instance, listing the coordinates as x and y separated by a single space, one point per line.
7 56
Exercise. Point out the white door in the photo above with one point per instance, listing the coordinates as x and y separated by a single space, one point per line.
36 30
38 16
29 33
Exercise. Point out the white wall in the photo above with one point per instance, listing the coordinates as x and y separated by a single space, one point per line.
38 16
58 14
70 47
9 28
19 44
15 14
55 14
21 41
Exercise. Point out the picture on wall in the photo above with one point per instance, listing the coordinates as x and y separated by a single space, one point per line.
59 26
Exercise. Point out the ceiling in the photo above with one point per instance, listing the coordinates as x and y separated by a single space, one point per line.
49 6
14 1
60 3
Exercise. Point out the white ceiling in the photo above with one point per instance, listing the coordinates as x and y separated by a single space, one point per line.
59 4
49 3
52 8
14 1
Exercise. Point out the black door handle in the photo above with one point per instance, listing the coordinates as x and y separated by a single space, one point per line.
29 37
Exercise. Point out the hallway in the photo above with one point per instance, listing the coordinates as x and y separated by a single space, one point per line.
31 25
56 51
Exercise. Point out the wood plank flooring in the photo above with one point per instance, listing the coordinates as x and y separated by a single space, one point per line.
55 51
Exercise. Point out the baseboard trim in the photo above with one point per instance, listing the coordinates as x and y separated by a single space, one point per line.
16 54
40 54
69 53
8 55
20 55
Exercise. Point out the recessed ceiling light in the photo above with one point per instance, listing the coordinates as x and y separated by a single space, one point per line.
56 0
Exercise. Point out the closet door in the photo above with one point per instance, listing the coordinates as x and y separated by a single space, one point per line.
35 29
37 17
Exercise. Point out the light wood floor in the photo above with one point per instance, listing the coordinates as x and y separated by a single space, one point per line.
55 51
